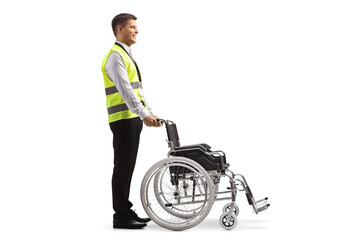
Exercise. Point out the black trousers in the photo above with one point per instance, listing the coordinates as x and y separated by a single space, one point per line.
126 137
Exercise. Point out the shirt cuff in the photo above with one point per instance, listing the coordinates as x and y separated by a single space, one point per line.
143 113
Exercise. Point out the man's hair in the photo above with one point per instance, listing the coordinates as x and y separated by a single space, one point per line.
121 19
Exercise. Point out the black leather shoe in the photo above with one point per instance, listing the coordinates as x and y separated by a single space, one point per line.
135 217
128 223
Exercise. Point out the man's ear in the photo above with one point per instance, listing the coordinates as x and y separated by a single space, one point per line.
119 29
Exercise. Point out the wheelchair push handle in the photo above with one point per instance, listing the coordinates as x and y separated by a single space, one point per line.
164 121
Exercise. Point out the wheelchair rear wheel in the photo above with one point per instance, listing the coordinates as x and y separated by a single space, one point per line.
177 193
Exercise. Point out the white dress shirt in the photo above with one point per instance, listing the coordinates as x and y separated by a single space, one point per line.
116 70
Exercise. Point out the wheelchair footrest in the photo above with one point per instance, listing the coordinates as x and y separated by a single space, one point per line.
262 205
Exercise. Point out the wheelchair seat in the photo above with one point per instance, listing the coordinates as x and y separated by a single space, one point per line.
200 153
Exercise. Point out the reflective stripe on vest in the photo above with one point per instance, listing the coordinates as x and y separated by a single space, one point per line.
119 108
111 90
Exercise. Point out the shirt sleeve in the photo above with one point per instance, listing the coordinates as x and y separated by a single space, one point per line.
151 112
115 69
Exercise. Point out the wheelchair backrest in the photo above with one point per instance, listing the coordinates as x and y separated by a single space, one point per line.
172 133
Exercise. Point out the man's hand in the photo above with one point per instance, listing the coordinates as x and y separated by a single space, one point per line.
151 121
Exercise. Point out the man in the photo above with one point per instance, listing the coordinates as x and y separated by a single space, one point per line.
127 110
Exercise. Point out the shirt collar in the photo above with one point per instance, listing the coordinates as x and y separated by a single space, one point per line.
127 48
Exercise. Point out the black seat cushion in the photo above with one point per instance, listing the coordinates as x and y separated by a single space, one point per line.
198 153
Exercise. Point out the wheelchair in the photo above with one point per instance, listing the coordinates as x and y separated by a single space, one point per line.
178 192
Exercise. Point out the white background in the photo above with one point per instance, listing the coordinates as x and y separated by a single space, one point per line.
274 84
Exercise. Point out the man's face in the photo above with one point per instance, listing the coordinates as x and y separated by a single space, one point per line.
129 32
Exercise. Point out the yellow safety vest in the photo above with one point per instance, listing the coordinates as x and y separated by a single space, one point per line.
116 106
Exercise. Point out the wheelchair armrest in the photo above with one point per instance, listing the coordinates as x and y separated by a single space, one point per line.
220 153
202 146
222 156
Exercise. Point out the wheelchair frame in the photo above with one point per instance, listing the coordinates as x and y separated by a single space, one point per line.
192 175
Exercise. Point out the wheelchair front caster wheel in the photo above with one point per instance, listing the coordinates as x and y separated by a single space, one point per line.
226 222
226 208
